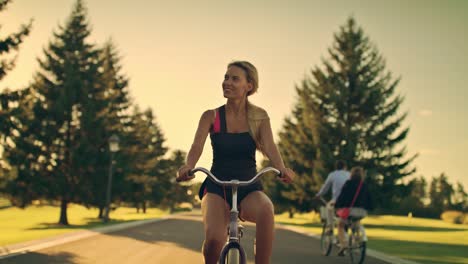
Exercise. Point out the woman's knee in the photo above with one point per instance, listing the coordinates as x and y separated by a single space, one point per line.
265 211
214 240
268 208
257 207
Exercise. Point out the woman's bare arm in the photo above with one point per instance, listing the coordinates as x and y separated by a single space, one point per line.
200 137
196 149
270 149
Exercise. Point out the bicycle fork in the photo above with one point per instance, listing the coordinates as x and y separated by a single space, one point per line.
233 252
234 214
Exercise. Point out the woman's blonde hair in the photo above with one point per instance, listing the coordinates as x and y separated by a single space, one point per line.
255 114
357 173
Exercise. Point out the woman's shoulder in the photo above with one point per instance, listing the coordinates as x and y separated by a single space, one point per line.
256 112
209 115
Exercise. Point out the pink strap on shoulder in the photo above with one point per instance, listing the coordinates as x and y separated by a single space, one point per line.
217 123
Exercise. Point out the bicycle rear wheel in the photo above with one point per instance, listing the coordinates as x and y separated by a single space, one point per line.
357 248
326 240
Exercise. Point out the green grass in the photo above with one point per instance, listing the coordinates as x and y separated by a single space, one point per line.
4 203
418 239
35 222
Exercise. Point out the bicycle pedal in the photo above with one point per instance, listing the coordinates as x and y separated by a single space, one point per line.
341 252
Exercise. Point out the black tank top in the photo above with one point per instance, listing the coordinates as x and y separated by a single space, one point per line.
233 153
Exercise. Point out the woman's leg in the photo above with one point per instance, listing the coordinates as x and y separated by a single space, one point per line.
341 236
215 219
257 207
362 231
331 214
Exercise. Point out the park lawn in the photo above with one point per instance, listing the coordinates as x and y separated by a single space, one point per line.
418 239
36 222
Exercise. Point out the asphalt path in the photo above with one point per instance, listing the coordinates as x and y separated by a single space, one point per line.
175 240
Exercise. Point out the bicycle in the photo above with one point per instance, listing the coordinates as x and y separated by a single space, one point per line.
232 252
356 237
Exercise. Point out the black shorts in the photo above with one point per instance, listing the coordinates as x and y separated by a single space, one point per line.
226 192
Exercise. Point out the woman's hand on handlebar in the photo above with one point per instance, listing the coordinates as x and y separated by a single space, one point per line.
287 175
184 173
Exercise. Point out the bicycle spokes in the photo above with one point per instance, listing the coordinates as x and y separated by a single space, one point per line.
357 247
326 240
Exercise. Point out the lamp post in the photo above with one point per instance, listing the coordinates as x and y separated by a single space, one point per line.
113 147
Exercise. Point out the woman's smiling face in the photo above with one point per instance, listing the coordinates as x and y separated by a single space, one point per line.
235 84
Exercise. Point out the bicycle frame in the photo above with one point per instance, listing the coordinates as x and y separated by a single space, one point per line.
233 229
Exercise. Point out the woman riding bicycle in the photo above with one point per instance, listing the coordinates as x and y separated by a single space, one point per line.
361 205
236 130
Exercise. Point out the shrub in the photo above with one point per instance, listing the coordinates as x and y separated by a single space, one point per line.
455 217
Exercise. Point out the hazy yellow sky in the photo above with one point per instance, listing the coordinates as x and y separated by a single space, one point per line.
175 53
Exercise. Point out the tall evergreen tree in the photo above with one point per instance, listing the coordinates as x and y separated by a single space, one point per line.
145 152
61 92
107 113
352 113
296 145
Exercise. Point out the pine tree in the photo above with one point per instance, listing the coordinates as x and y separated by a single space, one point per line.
145 153
296 145
352 113
106 114
61 93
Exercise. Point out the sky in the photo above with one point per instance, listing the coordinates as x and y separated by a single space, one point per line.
175 54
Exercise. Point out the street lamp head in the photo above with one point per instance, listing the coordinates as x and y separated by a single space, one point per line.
114 143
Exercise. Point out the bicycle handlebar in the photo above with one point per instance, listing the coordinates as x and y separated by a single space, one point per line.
236 182
323 200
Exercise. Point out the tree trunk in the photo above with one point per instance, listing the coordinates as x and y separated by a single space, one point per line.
63 212
101 212
291 213
144 207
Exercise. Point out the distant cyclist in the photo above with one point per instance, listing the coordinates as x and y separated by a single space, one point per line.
362 204
335 180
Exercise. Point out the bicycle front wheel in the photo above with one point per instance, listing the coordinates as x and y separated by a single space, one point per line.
232 253
233 256
357 248
326 240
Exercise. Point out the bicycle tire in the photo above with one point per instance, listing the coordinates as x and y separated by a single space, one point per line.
232 253
326 240
357 248
233 256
